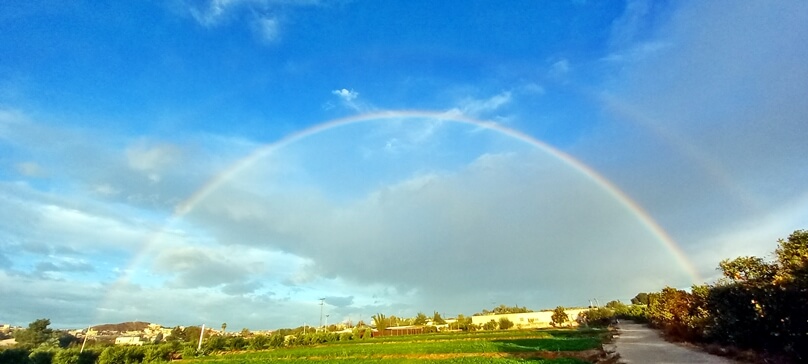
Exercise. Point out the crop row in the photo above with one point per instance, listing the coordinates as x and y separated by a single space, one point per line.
379 349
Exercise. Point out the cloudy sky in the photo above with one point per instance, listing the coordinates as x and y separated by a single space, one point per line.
190 162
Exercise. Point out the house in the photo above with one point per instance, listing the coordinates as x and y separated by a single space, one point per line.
399 330
129 340
529 319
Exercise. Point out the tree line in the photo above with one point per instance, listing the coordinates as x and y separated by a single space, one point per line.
757 305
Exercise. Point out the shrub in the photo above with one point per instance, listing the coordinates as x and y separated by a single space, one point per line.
490 325
601 316
158 353
41 356
505 324
14 356
345 336
122 355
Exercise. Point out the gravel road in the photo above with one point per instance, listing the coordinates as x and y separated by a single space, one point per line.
638 344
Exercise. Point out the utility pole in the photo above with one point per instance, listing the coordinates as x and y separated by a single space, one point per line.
85 339
322 301
201 333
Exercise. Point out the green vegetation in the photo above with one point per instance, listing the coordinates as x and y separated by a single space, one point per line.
559 316
758 304
482 347
468 346
502 309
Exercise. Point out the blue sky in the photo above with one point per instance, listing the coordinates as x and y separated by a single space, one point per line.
113 116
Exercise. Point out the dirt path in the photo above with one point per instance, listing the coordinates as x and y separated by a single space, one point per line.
639 344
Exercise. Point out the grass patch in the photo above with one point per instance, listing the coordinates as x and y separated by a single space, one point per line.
480 347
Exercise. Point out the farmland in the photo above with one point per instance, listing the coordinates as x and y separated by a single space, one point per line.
543 346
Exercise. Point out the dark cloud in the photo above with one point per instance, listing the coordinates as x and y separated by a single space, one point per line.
241 288
339 301
446 235
192 268
714 121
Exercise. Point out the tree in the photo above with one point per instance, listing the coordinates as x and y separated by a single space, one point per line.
792 256
505 324
748 269
36 334
640 299
177 335
420 319
490 325
559 316
503 309
381 321
191 334
437 319
678 313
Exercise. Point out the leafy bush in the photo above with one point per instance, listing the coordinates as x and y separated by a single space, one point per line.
757 305
14 356
158 353
680 314
505 324
345 336
559 316
122 355
41 356
490 325
599 317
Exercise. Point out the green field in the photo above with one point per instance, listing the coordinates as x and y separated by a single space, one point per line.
545 346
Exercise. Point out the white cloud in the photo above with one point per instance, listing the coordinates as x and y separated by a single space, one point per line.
212 13
483 107
345 94
268 29
350 99
144 156
262 15
30 169
560 68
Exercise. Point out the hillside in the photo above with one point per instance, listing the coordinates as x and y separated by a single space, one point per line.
122 327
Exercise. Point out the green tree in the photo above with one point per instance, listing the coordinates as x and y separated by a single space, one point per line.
36 334
748 269
191 335
505 324
420 319
559 316
42 356
463 323
122 355
678 313
600 316
381 321
792 256
640 299
437 319
177 335
74 356
490 325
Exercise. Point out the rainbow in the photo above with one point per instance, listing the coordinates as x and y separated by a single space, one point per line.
645 219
